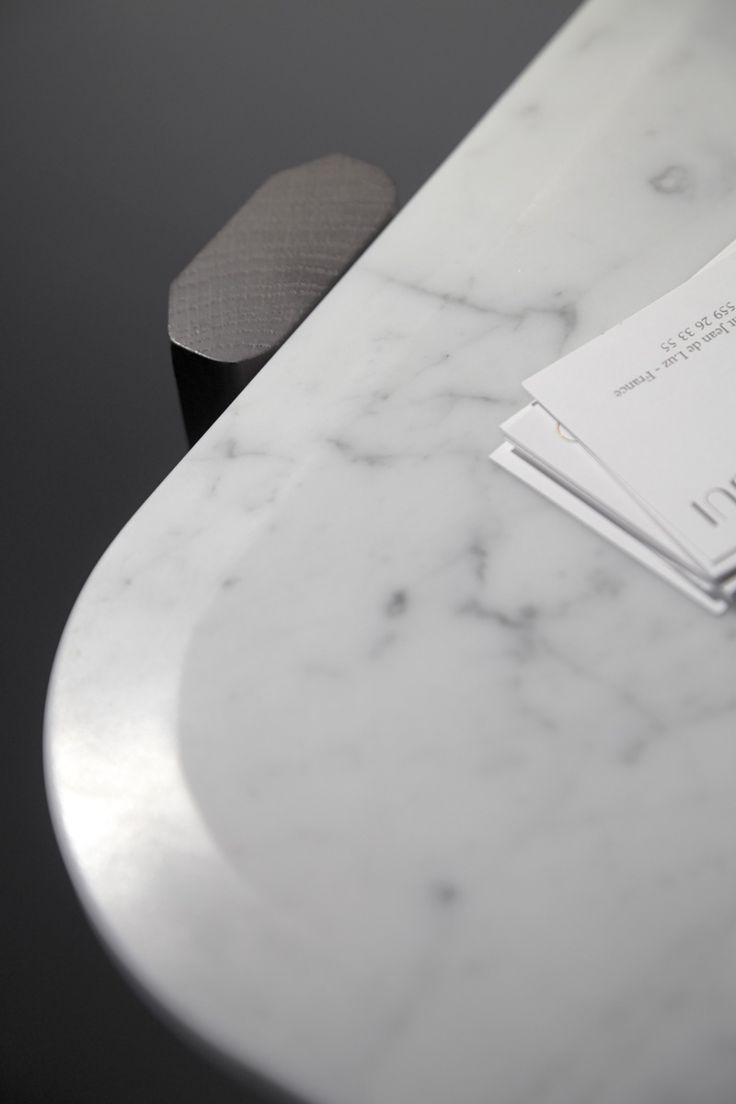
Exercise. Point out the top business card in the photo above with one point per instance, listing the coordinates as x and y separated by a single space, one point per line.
654 400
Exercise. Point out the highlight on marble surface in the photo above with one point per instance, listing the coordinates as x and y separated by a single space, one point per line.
379 775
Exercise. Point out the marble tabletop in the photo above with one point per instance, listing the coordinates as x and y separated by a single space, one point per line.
378 774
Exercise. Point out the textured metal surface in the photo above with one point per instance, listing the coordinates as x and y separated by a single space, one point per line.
270 265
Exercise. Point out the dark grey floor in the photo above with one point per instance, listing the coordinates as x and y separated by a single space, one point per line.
129 131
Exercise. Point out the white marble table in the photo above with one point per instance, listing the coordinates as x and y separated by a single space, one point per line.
377 773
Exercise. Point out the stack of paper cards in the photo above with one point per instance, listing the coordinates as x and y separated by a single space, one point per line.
635 435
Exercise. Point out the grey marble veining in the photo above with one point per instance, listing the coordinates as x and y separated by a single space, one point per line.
379 773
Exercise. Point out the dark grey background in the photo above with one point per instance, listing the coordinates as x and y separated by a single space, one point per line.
129 131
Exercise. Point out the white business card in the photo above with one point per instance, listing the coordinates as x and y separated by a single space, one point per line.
508 458
538 440
654 400
546 444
